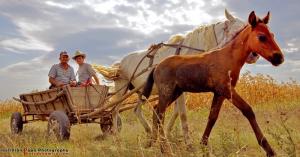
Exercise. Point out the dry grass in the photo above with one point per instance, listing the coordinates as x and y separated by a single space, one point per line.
277 108
257 90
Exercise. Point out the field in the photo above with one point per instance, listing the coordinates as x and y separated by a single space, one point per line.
276 104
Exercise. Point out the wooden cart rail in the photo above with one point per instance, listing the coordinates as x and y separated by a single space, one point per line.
72 100
41 102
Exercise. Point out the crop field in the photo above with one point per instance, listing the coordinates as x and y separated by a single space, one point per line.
276 105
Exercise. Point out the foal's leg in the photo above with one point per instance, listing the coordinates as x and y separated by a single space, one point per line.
165 99
248 112
180 110
140 115
213 116
173 118
158 122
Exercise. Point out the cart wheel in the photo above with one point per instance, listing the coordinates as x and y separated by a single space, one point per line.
107 126
16 123
59 125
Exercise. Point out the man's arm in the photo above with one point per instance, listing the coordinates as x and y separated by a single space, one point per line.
54 82
96 79
93 73
52 75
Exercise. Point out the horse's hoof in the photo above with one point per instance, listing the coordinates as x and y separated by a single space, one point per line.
166 149
101 137
148 144
190 148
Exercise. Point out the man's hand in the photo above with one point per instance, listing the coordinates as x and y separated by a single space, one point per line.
59 84
73 83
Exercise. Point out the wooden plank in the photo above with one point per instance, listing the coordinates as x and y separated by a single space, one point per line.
97 95
25 107
45 112
57 104
38 98
79 97
89 97
45 97
64 103
29 99
69 98
52 104
42 92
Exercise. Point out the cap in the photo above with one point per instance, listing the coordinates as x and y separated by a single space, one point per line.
63 53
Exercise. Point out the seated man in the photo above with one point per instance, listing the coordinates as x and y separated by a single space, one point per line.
62 74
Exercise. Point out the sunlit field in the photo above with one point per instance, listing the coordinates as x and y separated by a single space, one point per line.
276 105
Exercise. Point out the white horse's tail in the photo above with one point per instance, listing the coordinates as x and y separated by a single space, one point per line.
109 73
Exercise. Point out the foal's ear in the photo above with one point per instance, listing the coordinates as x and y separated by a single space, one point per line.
267 18
252 19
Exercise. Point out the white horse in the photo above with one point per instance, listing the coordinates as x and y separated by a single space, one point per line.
203 37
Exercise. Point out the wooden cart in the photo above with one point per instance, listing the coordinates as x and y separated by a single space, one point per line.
63 107
66 106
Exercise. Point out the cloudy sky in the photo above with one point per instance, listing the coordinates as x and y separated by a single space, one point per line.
32 32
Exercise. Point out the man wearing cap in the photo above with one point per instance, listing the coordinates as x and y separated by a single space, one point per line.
85 71
62 74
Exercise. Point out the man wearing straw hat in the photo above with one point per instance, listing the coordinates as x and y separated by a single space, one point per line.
85 71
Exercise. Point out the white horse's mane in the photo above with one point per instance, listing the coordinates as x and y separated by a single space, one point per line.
191 38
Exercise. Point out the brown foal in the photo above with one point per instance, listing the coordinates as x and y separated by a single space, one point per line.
216 71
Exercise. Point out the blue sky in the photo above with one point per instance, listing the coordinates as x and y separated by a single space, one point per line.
33 32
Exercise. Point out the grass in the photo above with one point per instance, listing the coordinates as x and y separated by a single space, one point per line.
276 105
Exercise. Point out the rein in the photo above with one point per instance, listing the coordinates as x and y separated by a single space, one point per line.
180 46
215 35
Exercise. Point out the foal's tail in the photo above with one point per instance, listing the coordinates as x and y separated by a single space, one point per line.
149 85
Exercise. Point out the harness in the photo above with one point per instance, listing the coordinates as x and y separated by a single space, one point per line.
152 50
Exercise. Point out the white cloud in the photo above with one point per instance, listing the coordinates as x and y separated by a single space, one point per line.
59 5
28 69
218 3
292 46
291 49
21 45
104 7
29 26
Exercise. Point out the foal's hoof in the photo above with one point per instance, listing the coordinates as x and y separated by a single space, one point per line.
204 142
271 154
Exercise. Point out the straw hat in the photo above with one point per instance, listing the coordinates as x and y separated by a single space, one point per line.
78 53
